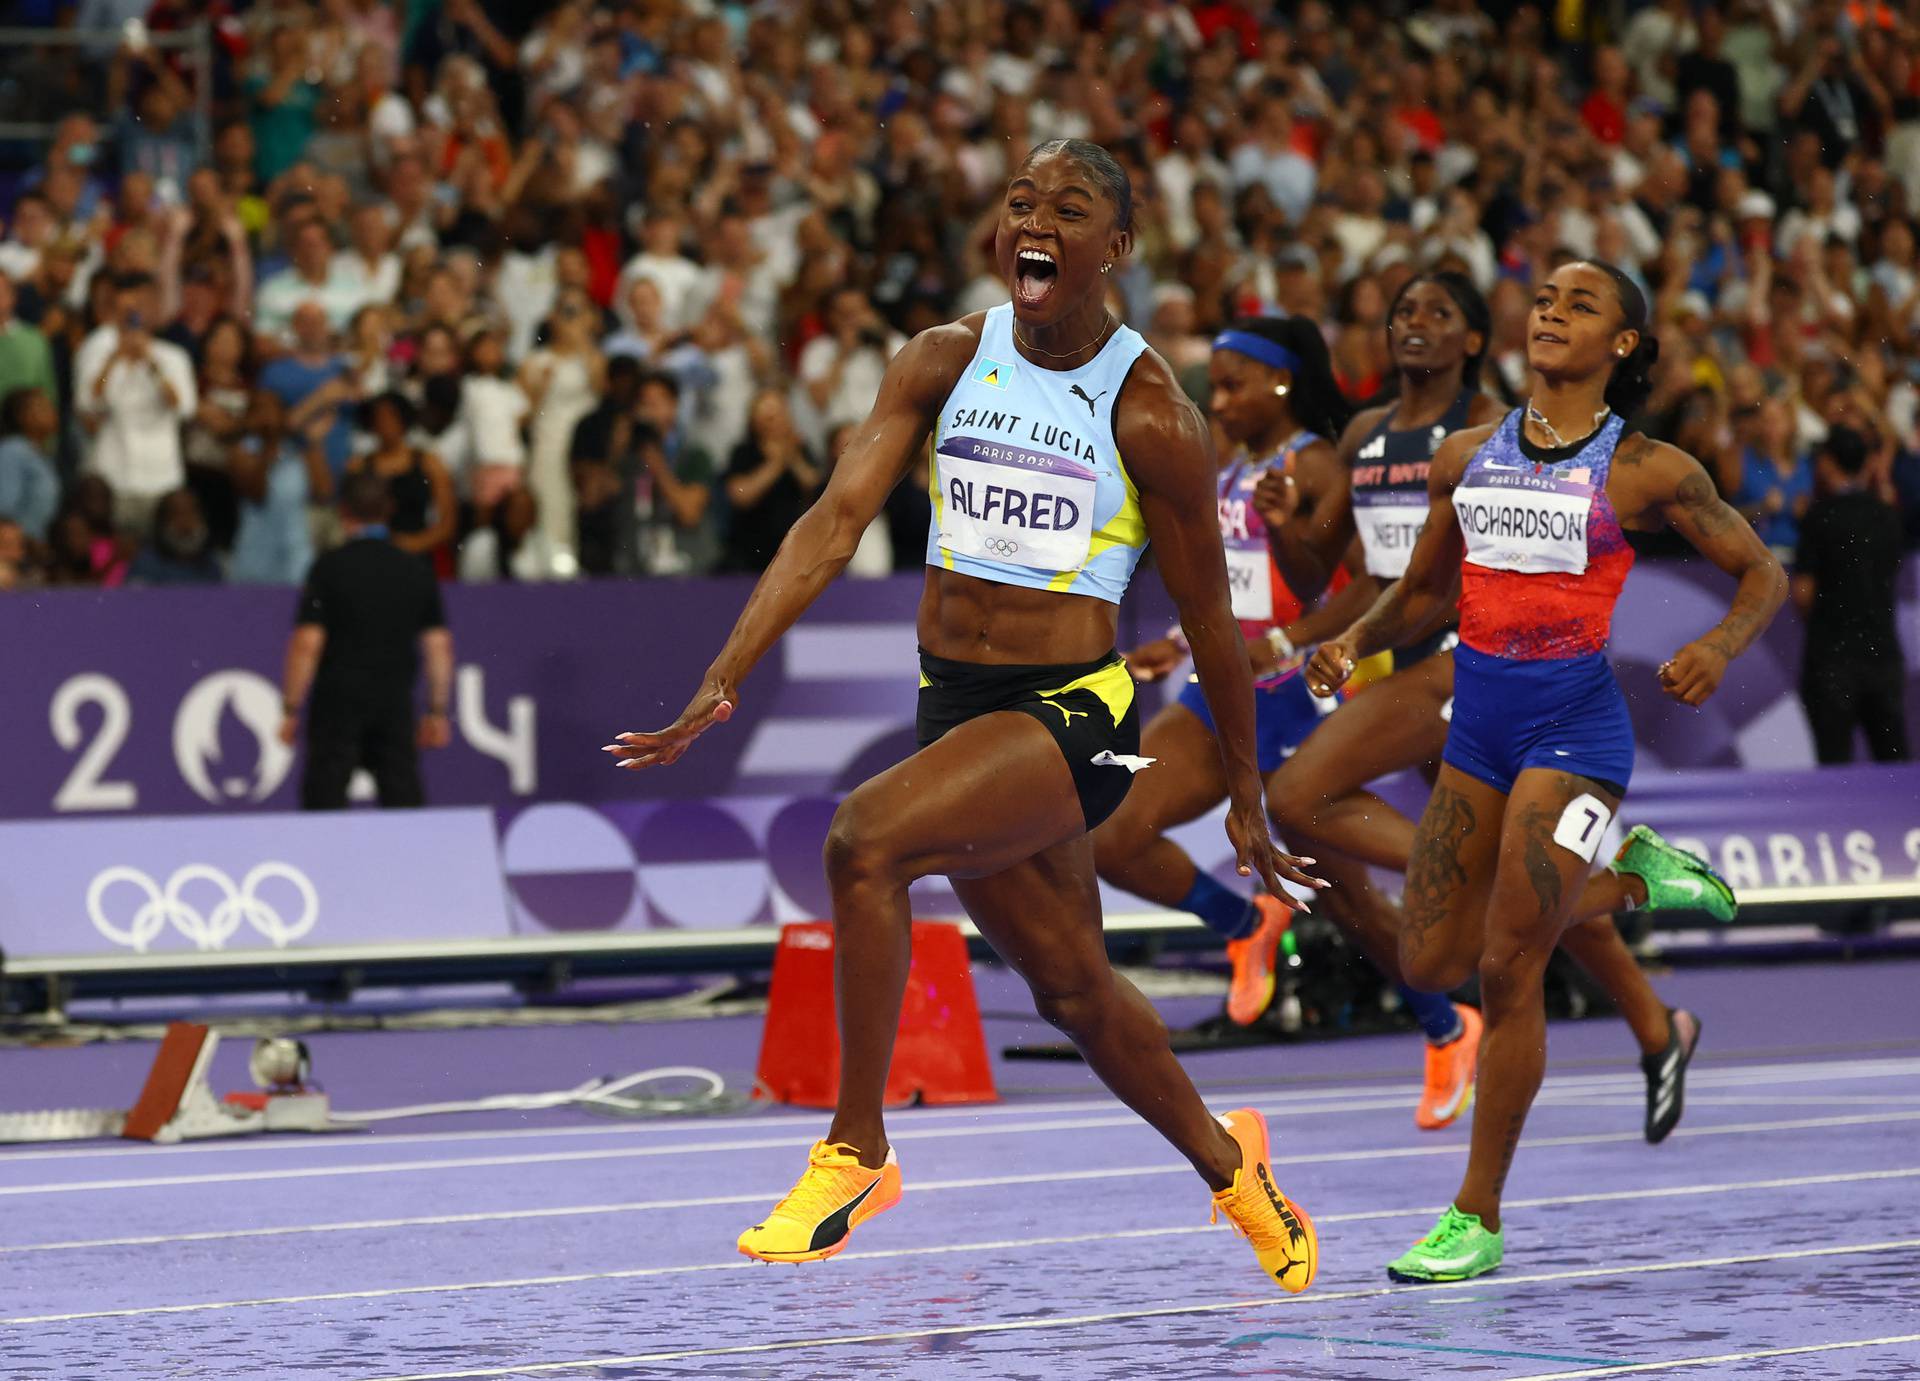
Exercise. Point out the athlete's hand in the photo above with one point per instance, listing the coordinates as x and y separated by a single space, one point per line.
1276 498
713 705
1332 664
1155 660
1256 854
1693 673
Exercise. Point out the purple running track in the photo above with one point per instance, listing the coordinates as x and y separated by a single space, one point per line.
1048 1236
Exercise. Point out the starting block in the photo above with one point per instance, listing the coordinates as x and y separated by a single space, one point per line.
939 1052
177 1104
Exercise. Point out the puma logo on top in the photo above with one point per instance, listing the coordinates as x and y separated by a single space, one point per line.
1081 394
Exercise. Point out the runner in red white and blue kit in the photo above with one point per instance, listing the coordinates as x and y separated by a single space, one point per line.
1437 331
1532 514
1274 397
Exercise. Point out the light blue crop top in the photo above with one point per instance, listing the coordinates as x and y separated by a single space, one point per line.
1027 484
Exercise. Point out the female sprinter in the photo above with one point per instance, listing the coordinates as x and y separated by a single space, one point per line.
1028 733
1437 328
1274 397
1529 513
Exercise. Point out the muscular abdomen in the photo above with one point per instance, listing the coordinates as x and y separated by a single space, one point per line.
971 620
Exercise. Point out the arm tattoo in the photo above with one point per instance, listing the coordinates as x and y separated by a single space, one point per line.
1741 625
1707 511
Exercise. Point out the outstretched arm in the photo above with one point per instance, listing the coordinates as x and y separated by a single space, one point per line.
1174 469
1420 599
1681 494
821 543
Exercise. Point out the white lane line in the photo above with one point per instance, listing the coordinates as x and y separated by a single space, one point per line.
1893 1341
791 1143
1169 1311
1701 1076
918 1187
1756 1100
944 1249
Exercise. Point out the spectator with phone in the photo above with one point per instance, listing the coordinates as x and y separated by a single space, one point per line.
133 393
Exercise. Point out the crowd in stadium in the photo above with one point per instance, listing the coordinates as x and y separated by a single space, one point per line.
600 288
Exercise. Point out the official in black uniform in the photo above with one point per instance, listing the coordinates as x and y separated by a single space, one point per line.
1854 672
369 615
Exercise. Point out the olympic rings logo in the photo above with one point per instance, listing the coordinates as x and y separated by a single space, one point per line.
1000 546
210 930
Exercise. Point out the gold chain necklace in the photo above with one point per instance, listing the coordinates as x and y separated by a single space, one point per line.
1105 330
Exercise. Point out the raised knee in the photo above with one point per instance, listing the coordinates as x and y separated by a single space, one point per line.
857 848
1432 973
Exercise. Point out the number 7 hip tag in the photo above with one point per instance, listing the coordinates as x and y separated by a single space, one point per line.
1582 825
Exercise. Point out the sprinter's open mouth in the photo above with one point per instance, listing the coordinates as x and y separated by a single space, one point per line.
1034 274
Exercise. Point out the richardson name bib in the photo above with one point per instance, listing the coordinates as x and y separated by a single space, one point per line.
1007 503
1526 523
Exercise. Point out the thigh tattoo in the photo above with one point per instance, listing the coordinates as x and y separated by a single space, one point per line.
1435 873
1537 825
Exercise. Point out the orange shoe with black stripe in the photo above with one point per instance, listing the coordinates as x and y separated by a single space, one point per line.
835 1195
1281 1233
1450 1073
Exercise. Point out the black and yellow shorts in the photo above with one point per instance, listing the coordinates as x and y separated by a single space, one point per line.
1088 707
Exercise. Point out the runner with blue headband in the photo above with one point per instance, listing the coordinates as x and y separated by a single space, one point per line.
1274 400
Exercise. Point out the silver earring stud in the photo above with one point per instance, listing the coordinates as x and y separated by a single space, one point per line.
1281 390
1106 268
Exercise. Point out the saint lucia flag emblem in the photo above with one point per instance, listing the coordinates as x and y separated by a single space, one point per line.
992 373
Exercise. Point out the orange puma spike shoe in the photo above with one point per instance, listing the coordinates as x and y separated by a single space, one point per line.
1280 1231
835 1195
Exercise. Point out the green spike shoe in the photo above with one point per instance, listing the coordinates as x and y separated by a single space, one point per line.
1676 879
1458 1248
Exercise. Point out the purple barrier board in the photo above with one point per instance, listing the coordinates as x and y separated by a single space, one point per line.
154 702
165 702
263 883
1853 825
